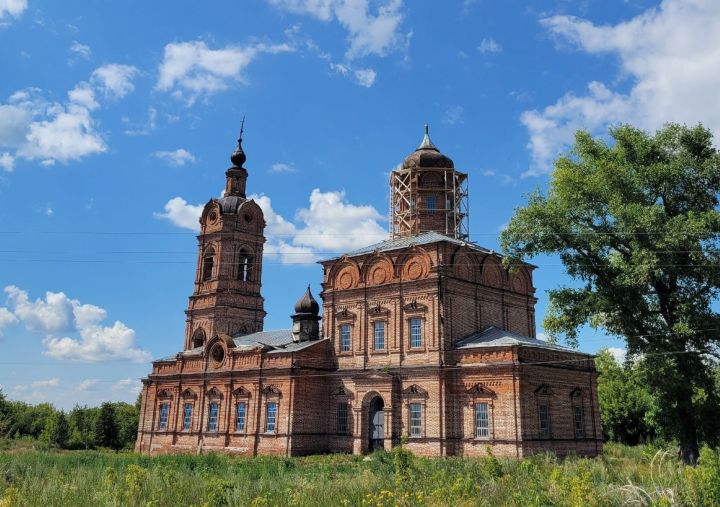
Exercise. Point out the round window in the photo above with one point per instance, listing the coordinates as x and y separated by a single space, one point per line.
217 354
212 217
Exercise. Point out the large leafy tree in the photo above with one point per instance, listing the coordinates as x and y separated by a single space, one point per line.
636 225
106 427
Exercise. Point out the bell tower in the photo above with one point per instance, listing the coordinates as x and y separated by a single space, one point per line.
428 194
226 297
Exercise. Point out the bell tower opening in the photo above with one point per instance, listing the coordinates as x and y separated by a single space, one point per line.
428 194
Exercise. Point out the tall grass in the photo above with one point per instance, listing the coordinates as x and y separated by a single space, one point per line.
622 476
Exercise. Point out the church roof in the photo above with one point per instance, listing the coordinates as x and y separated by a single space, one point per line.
424 238
496 337
279 340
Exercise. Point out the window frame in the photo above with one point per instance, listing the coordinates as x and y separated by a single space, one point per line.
244 268
383 325
187 417
164 416
342 419
268 428
430 204
415 424
477 417
343 336
208 262
579 422
544 406
411 325
210 427
238 428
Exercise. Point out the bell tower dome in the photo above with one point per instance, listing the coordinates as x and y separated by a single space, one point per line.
428 194
226 298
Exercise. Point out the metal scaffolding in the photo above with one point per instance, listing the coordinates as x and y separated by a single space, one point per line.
409 212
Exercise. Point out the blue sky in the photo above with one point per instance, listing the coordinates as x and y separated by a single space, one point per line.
117 120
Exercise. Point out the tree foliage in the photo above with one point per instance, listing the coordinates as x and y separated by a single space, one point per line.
636 225
106 427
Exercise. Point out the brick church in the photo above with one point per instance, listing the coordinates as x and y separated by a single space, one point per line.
425 335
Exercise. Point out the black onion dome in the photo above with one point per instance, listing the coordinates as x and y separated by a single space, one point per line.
307 304
427 155
238 157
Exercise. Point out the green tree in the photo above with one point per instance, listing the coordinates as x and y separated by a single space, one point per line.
60 431
106 427
82 424
625 402
636 225
128 417
5 416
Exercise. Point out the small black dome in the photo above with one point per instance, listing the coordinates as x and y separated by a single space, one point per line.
307 304
238 157
427 155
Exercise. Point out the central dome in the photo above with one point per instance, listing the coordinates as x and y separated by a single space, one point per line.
427 155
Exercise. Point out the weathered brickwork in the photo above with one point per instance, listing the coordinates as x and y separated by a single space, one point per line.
424 336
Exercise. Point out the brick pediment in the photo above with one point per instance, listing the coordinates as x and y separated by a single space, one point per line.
480 390
415 391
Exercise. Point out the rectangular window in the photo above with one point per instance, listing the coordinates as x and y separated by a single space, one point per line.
240 416
271 417
482 420
544 415
579 423
164 412
379 328
415 333
213 417
187 416
342 418
430 203
415 420
345 338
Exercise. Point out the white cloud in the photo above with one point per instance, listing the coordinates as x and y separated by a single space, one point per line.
7 318
57 313
115 79
488 172
281 167
372 29
127 384
489 45
12 8
182 214
7 161
365 77
53 382
177 158
453 115
329 224
190 70
81 50
619 354
87 384
671 55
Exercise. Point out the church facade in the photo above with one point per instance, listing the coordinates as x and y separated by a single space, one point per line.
426 336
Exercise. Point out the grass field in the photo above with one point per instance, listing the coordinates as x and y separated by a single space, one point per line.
639 475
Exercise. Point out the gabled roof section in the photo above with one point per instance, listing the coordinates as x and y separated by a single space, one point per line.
424 238
496 337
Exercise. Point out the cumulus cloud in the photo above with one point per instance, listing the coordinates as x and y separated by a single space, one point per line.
87 384
281 167
373 27
330 224
489 45
7 318
176 158
57 314
181 213
670 54
81 50
115 79
53 382
12 8
365 77
191 70
39 129
127 384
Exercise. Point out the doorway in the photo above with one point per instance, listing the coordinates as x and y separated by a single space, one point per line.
376 428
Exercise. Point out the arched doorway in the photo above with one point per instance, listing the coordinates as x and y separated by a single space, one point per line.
376 427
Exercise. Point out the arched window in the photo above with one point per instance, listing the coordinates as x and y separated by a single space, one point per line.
198 339
208 264
244 267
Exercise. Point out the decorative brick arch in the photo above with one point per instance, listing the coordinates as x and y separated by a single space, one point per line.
493 274
345 275
466 265
378 270
519 280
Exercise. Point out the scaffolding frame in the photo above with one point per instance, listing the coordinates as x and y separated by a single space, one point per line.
408 213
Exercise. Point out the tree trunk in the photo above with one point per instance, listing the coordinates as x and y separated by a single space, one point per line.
687 426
